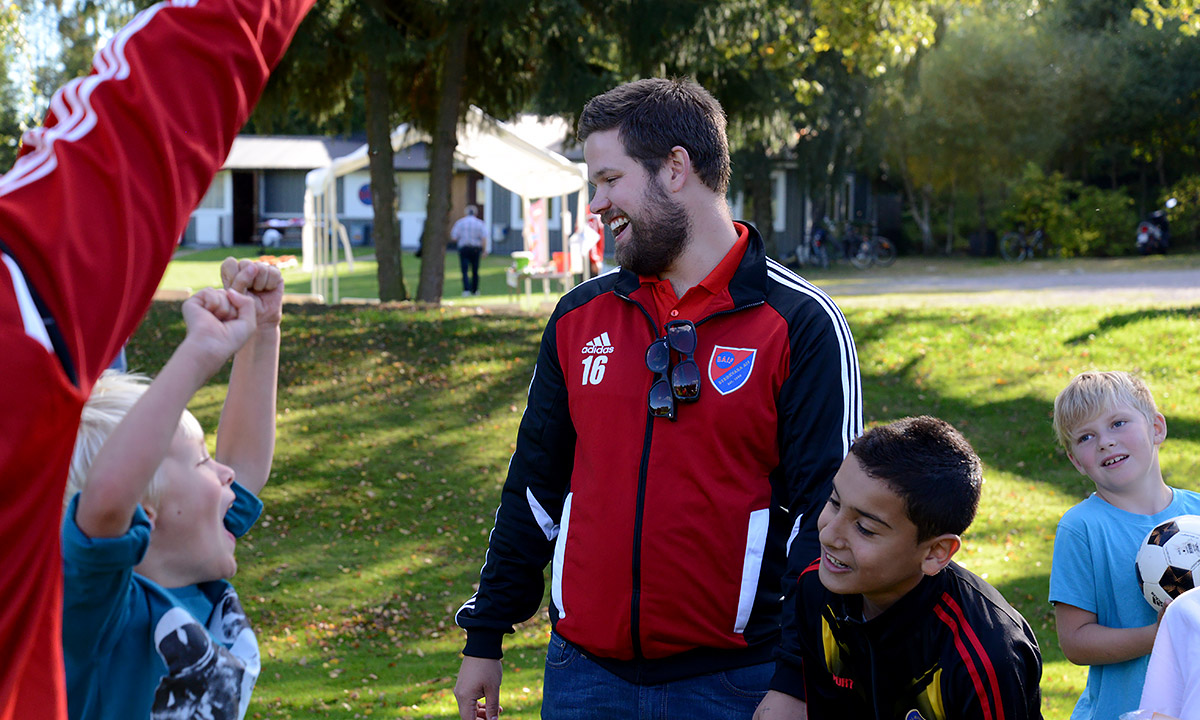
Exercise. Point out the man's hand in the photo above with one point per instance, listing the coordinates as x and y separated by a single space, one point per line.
478 678
261 281
218 322
781 706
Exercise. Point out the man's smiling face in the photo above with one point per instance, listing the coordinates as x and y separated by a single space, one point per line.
649 227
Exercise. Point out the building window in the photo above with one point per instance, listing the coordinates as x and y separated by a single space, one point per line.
283 192
779 200
516 212
214 199
414 192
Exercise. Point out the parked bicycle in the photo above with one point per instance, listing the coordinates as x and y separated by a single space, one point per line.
1019 245
826 247
876 250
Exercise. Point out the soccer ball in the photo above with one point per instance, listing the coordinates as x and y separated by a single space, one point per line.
1168 561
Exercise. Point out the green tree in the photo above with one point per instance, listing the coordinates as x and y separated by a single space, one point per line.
338 77
10 101
983 105
1162 14
424 62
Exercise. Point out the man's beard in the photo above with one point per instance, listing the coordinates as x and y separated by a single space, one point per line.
657 237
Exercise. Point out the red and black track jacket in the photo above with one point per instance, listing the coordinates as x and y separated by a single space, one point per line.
951 649
669 539
90 215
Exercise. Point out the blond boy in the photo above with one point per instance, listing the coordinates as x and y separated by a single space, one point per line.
150 627
1111 429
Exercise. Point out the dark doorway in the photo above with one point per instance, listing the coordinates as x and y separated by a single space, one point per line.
473 180
245 208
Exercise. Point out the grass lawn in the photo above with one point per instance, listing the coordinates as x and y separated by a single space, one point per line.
195 269
396 424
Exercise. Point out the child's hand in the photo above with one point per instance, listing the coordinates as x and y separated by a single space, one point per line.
263 282
219 322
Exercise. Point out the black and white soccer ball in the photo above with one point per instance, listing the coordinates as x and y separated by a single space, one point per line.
1168 561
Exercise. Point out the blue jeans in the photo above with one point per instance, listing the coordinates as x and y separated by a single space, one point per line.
468 260
578 689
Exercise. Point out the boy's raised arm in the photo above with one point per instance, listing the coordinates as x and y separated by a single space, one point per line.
246 434
219 322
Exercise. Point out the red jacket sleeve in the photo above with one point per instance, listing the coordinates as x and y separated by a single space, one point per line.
89 217
94 206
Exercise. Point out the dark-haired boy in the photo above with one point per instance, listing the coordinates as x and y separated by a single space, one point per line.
887 625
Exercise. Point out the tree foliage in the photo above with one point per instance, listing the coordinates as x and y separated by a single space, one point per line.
1077 87
10 104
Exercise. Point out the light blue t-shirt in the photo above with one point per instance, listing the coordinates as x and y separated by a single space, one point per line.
1093 569
135 650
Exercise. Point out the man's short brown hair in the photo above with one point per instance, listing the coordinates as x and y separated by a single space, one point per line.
652 116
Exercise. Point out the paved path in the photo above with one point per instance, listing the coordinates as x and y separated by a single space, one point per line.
1032 284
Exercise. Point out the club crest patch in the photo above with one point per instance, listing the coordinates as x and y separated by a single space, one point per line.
914 715
729 368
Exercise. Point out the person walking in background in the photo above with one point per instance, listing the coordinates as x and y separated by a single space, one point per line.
471 235
90 215
734 385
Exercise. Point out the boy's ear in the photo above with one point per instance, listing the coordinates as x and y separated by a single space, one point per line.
1159 429
939 552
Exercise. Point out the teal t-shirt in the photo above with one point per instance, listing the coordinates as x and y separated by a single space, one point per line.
134 649
1093 569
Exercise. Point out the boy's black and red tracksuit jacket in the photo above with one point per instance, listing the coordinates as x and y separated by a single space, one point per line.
669 539
950 649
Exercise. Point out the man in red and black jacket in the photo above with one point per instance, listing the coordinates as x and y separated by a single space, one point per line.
90 215
686 414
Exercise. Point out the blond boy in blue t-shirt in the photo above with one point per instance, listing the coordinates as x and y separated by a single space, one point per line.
1111 429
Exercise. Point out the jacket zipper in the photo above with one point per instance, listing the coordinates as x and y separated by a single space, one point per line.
730 311
635 609
874 676
639 509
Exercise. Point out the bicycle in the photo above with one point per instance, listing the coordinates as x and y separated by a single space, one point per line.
876 250
825 247
1017 245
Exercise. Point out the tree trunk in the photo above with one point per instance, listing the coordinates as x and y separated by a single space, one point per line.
758 190
950 219
918 203
981 205
927 225
386 234
441 167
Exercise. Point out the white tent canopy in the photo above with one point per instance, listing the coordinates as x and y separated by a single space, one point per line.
487 145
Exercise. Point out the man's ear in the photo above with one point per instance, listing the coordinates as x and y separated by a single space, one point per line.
938 552
677 168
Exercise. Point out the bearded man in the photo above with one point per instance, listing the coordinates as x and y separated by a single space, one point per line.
687 413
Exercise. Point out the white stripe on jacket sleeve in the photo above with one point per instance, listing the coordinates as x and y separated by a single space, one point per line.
756 542
560 551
